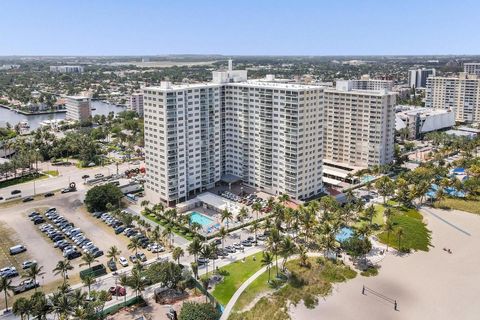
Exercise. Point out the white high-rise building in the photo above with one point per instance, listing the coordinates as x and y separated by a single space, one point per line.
66 69
267 133
136 103
418 77
460 94
359 126
78 108
472 68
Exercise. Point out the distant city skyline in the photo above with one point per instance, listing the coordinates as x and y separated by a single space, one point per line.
304 27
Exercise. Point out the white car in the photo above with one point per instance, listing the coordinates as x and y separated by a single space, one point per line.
123 261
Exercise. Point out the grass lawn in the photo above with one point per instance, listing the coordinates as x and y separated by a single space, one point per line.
235 274
53 173
377 218
190 238
306 284
23 179
468 205
416 235
258 287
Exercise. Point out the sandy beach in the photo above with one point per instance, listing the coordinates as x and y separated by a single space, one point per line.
426 285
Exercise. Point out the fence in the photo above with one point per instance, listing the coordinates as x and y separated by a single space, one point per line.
212 299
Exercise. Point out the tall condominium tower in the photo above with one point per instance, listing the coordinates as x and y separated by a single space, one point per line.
460 94
359 126
136 103
78 108
366 83
269 135
418 77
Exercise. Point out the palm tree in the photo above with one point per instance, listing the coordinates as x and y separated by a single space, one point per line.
243 214
223 234
124 282
389 227
62 268
134 245
168 233
194 266
287 248
88 280
206 253
283 198
273 244
113 253
33 272
40 306
21 307
194 248
144 203
254 227
267 260
88 259
226 215
370 213
177 253
400 234
156 237
61 304
137 282
302 252
256 207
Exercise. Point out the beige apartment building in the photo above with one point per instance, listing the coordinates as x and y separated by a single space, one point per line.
460 94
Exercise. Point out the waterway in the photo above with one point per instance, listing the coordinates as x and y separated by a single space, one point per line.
13 118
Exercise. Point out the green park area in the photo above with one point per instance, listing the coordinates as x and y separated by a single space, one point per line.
234 275
408 231
26 178
307 283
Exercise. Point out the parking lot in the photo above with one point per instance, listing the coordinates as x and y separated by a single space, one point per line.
40 247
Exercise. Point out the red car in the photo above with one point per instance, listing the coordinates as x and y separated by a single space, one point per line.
119 291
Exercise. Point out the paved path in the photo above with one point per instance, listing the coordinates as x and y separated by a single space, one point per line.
236 295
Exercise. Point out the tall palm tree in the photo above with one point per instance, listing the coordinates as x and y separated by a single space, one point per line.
256 207
254 227
194 266
400 234
88 259
88 280
156 237
273 244
113 253
22 307
62 268
243 214
168 233
302 252
206 253
33 272
134 245
226 215
177 253
223 234
287 248
40 306
283 198
137 282
124 282
194 248
370 213
389 227
267 260
61 305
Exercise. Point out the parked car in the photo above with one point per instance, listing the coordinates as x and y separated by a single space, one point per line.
25 285
8 272
117 291
133 258
73 255
49 194
112 265
33 214
67 190
123 262
17 249
16 192
141 256
28 199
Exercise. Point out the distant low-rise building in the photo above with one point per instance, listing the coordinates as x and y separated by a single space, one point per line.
366 83
472 68
66 69
78 108
419 121
136 103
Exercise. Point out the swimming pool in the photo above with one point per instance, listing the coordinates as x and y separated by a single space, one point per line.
201 219
344 234
366 179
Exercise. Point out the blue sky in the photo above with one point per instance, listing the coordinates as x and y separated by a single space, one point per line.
239 27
